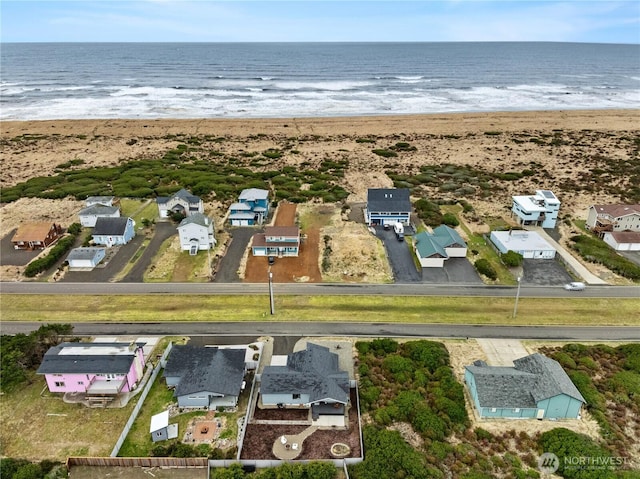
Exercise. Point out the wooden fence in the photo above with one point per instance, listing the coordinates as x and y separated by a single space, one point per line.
138 461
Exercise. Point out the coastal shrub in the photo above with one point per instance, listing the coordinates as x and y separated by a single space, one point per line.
272 154
484 267
595 250
61 248
385 153
450 219
512 259
429 212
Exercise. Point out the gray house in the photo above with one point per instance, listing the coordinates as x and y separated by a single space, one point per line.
89 215
387 206
205 377
311 378
536 387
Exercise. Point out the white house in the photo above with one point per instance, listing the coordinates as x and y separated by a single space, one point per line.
388 206
540 209
89 215
196 233
181 202
613 218
528 243
623 240
85 258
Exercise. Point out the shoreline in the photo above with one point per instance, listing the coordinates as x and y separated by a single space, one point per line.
436 123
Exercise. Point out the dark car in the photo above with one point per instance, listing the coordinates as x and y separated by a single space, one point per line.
272 259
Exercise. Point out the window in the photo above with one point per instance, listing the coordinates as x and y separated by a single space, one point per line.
296 396
81 383
59 384
494 409
517 409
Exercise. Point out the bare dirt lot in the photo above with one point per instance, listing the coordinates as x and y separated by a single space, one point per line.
91 472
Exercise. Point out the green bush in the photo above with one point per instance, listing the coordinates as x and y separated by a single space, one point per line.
39 265
512 259
484 267
595 250
385 153
450 219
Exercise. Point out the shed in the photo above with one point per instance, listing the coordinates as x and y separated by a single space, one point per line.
160 429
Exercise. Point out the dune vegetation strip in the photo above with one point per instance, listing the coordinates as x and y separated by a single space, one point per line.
414 309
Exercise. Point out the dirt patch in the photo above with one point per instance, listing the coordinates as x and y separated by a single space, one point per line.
103 472
272 414
286 215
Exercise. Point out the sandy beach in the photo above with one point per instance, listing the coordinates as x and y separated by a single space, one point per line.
486 141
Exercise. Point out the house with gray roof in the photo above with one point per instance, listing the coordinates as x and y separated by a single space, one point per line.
388 206
536 387
182 202
99 200
252 208
113 231
85 258
205 377
310 378
89 215
96 369
433 249
196 233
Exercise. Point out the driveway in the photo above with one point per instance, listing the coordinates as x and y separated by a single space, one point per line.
9 256
400 257
227 269
103 274
162 231
455 270
502 352
545 272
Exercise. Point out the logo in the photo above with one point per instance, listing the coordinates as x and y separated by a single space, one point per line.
548 463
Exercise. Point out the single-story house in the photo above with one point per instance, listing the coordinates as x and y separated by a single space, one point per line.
99 200
623 240
113 231
160 429
433 249
277 241
388 206
536 387
97 369
613 218
89 215
85 257
528 243
252 208
540 209
31 236
310 378
196 233
205 377
182 202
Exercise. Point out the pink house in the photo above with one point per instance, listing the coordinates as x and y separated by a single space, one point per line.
97 369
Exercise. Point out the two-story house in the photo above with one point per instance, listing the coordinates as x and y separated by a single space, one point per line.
89 215
252 208
388 206
196 233
182 202
100 369
540 209
613 218
32 236
277 241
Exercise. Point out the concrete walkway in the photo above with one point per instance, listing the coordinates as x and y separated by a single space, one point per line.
574 265
502 352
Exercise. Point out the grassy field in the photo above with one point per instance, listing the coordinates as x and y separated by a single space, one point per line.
403 309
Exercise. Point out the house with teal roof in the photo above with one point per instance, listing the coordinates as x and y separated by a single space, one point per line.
433 249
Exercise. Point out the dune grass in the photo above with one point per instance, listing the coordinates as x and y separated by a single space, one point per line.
404 309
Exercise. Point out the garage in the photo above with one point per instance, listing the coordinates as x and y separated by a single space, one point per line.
527 243
85 258
623 240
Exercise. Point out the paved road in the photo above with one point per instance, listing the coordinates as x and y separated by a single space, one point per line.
317 289
266 328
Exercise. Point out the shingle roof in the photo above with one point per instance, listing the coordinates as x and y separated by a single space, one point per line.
625 236
313 371
206 369
240 207
186 195
33 231
618 210
252 194
288 231
388 199
110 226
198 219
533 379
98 210
84 253
98 358
99 199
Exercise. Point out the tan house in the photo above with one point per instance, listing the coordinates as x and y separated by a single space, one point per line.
32 236
613 218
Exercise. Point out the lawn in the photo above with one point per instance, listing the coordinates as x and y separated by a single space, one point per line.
403 309
139 210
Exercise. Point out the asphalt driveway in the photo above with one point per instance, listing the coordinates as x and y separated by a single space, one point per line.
162 231
545 272
400 257
455 270
9 256
227 268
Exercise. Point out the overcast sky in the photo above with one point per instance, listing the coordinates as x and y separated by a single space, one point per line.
297 21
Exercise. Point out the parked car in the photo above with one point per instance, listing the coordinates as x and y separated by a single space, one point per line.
575 286
272 259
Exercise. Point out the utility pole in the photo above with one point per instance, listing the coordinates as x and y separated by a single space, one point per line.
515 307
271 302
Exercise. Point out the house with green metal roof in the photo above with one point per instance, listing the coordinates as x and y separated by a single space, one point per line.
536 387
433 249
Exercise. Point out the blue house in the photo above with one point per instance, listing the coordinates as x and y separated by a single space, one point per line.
205 377
113 231
536 387
388 206
252 208
277 241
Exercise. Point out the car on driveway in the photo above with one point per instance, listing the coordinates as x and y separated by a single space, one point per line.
575 286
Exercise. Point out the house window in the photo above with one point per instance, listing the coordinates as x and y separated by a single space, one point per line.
159 433
59 384
517 409
81 383
494 409
296 396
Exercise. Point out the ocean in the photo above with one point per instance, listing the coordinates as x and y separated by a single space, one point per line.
41 81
